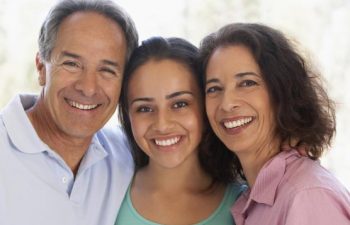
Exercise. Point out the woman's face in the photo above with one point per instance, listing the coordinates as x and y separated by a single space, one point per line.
237 100
165 112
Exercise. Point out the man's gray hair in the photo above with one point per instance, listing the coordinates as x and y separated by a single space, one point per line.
65 8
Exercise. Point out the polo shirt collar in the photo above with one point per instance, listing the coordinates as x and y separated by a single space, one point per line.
94 154
24 136
18 126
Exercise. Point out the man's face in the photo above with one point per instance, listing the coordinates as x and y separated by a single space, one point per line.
82 79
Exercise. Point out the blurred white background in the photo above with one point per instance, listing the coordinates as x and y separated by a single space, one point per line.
321 27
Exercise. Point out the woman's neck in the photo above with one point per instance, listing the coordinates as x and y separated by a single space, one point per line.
253 161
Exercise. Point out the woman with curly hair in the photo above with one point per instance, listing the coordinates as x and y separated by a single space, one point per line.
259 94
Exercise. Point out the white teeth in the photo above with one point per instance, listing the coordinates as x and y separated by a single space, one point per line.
237 123
81 106
167 142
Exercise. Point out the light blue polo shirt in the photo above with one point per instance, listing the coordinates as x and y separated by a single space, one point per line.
38 188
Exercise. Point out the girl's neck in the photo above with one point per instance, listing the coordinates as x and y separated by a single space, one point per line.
167 195
186 177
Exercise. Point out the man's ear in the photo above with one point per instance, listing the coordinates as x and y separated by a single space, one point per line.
40 67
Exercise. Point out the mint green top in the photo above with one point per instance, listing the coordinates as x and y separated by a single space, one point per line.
129 216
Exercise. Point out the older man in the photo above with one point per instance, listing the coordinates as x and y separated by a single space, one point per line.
57 166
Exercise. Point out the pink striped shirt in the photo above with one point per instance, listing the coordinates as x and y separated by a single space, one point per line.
293 190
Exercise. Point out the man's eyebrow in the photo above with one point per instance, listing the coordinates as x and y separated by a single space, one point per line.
178 93
111 63
76 56
70 54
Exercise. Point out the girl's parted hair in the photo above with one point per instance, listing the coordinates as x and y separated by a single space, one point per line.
213 156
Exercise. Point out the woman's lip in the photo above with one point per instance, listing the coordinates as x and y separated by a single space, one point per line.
237 121
235 125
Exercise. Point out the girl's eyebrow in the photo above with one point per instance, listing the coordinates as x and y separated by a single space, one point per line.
144 99
178 93
172 95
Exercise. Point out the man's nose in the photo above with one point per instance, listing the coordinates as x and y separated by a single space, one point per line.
87 83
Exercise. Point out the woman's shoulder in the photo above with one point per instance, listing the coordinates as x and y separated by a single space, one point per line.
306 174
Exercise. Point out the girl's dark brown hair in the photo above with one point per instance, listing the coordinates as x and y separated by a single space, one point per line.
213 156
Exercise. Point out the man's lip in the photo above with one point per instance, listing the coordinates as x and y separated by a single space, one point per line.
82 106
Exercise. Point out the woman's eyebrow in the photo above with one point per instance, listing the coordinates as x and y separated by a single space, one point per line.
213 80
240 75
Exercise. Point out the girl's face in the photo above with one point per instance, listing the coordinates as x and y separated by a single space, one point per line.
237 100
165 112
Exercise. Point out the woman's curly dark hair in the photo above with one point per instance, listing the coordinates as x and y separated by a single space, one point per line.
302 108
213 156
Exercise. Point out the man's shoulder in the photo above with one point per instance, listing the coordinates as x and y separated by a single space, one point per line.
3 132
114 140
21 101
13 119
113 134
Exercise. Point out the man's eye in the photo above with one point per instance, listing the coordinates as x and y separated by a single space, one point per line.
178 105
71 66
109 71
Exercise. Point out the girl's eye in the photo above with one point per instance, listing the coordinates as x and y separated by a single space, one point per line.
213 89
247 83
144 109
178 105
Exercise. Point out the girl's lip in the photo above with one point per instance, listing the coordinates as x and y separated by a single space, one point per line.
167 141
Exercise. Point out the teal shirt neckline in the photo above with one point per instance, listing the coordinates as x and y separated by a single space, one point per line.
129 215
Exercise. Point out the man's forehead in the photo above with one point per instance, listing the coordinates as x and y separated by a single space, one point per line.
90 35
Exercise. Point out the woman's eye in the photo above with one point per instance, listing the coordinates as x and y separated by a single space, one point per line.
213 89
178 105
247 83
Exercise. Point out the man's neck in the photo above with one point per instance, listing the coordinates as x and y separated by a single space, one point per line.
71 149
